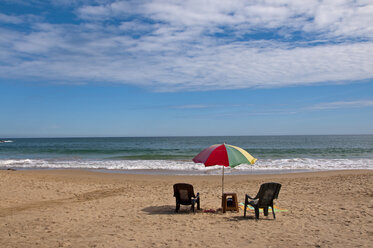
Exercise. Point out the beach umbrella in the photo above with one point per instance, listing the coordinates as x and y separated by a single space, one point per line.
224 155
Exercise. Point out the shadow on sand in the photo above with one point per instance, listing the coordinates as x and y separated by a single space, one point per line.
167 209
248 217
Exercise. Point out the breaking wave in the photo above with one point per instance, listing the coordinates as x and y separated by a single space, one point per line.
186 166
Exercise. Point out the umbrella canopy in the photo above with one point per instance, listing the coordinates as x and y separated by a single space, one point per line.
225 155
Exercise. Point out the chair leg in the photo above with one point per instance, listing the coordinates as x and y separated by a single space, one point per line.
177 207
193 206
257 213
273 212
265 211
198 204
244 210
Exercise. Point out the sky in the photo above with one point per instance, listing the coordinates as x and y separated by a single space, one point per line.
78 68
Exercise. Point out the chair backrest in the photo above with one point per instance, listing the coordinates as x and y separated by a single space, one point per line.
184 193
267 193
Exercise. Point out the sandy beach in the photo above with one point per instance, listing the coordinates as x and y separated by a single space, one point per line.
76 208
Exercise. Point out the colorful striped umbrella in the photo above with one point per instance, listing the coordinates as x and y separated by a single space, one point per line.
225 155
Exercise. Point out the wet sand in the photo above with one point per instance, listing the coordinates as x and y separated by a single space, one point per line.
77 208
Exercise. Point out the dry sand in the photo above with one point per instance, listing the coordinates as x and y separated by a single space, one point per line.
72 208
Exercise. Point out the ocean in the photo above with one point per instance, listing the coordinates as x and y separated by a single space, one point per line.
173 155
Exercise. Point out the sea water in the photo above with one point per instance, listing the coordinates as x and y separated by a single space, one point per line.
173 155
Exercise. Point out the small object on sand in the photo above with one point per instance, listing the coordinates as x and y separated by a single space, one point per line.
209 210
11 169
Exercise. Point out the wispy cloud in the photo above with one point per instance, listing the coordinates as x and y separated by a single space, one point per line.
210 106
10 19
195 45
342 104
195 106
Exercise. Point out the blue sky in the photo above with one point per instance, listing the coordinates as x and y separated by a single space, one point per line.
159 68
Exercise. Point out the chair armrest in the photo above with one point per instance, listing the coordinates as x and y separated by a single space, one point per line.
196 197
196 200
248 197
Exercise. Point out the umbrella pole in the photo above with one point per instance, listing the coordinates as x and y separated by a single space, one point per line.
222 183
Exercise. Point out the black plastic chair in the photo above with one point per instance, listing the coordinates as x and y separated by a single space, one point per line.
184 194
264 199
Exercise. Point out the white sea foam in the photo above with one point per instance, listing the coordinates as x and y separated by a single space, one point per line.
184 166
310 164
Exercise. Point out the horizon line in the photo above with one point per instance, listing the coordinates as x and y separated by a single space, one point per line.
180 136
